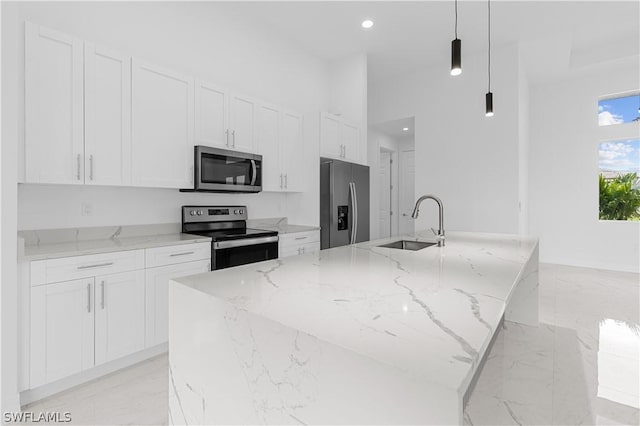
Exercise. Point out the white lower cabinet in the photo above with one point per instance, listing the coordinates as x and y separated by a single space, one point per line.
298 243
119 315
62 321
157 297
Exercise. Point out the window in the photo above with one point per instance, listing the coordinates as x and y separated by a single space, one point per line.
625 109
619 157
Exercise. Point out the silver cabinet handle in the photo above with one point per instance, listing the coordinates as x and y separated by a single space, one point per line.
181 254
301 238
89 298
281 181
226 133
91 167
302 250
95 266
78 161
286 180
233 138
102 294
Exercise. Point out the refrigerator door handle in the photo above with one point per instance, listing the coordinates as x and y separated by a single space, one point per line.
354 233
354 216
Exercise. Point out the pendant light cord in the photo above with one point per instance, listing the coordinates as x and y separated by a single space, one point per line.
456 8
489 39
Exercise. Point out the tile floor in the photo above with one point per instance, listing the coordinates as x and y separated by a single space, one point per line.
579 367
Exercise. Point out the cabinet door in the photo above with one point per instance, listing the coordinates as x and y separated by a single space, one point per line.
107 116
212 115
120 305
157 297
242 124
330 142
292 151
53 106
62 335
350 136
162 127
268 135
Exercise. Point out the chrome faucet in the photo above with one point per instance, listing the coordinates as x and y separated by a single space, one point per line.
416 211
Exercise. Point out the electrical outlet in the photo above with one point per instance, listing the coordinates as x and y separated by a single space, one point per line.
87 209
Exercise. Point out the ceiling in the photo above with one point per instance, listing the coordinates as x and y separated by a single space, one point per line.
395 128
409 35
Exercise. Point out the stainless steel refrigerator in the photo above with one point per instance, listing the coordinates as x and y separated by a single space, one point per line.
344 203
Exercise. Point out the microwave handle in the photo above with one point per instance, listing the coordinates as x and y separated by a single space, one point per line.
254 172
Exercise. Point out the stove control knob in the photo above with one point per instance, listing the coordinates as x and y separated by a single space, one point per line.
199 213
192 212
241 211
235 211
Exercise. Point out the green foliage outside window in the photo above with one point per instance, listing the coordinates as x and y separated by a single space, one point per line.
620 198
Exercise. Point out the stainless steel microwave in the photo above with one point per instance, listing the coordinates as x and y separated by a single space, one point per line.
221 170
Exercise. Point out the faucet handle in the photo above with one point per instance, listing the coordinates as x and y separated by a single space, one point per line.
434 231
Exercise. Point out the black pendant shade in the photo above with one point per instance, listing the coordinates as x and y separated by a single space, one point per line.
456 57
488 99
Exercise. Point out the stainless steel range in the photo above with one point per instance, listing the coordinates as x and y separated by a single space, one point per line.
232 244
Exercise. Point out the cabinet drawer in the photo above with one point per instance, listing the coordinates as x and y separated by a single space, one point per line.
297 238
78 267
295 250
171 255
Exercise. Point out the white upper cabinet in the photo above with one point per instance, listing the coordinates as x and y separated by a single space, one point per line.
292 151
212 115
107 159
330 144
280 142
120 315
162 127
242 123
341 139
350 136
53 107
268 135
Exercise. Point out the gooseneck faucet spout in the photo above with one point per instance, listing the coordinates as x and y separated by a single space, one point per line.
416 212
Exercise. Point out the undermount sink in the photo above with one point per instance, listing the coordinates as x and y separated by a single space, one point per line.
408 245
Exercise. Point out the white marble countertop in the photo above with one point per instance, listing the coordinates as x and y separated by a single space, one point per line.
279 224
430 313
55 243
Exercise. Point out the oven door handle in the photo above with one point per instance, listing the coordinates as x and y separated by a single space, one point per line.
244 242
254 172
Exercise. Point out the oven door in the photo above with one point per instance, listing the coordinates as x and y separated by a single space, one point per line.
220 170
226 254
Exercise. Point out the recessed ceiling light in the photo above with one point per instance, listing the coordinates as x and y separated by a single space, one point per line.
405 129
367 23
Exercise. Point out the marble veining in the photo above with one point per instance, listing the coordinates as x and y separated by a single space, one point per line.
54 243
418 321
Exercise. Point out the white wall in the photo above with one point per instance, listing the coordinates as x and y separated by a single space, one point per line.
563 175
201 39
8 218
470 161
377 140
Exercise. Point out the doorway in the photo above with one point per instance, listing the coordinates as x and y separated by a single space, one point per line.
385 187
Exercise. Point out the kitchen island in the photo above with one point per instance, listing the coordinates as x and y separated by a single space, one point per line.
359 334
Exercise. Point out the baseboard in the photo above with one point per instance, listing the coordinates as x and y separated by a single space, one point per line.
44 391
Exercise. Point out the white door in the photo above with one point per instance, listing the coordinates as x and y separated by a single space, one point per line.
107 116
268 135
292 151
62 322
157 297
384 196
212 115
162 127
350 135
242 123
54 148
406 195
330 143
120 305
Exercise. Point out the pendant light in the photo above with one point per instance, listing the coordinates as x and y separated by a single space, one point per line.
488 99
456 49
